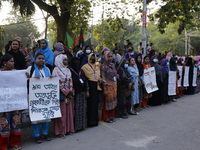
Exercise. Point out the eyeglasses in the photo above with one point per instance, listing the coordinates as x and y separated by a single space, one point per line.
15 44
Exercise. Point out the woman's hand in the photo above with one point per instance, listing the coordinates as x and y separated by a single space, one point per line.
37 77
52 76
27 75
130 85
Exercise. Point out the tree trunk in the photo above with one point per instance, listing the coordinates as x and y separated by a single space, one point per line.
62 26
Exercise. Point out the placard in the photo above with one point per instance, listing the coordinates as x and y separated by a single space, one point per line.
172 83
150 80
13 90
194 81
44 99
186 77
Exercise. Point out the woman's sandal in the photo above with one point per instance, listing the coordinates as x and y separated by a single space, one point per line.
112 119
124 117
16 147
108 121
62 136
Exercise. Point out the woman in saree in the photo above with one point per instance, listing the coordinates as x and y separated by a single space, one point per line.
65 124
10 122
109 77
92 73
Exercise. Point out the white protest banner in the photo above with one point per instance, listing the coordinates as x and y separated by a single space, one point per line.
13 90
44 99
172 83
150 80
194 81
180 68
186 76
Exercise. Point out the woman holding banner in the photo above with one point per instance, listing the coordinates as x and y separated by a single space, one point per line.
39 70
10 122
65 124
146 96
157 96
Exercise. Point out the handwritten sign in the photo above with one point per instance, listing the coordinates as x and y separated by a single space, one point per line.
150 80
186 76
194 79
13 90
172 83
44 99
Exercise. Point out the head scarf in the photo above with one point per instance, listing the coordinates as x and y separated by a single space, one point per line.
108 70
157 67
91 69
126 74
61 70
169 56
48 53
18 39
74 65
139 65
165 67
59 49
198 59
180 61
189 62
46 71
173 65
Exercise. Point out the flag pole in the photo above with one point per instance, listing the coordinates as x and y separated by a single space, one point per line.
144 22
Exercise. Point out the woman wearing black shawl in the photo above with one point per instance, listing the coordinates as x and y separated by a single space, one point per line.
190 89
19 59
124 82
138 60
80 87
157 96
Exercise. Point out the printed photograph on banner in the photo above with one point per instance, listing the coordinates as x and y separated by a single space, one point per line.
44 99
13 90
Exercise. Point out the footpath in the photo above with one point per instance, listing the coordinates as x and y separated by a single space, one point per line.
173 126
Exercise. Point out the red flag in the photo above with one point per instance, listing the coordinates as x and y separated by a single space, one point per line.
76 42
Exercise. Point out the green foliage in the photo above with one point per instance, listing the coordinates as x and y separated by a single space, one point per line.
113 34
169 41
177 10
23 30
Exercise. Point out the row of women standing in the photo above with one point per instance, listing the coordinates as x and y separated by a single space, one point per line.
82 88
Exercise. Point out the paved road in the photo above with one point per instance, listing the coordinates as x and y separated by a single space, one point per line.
174 126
